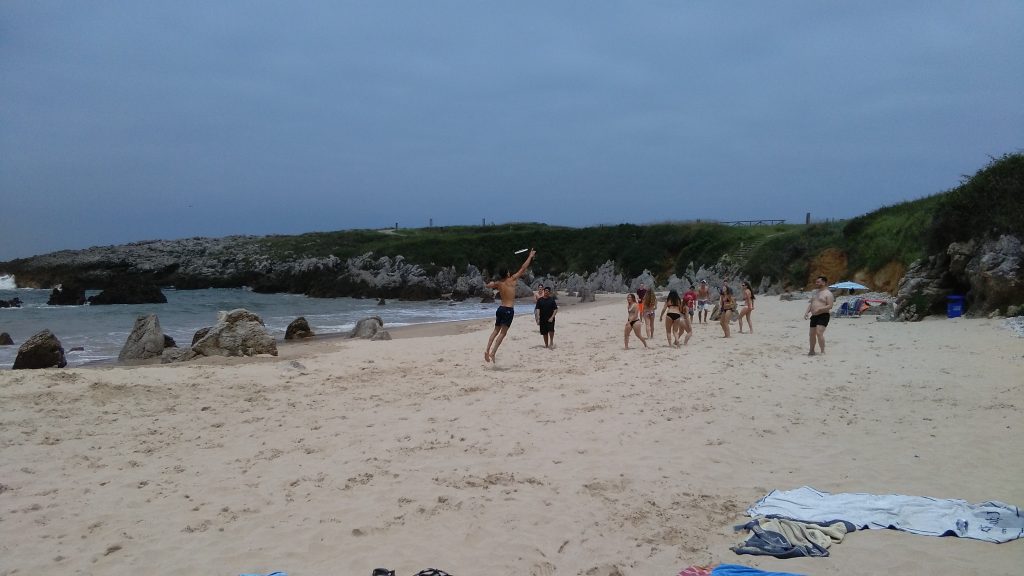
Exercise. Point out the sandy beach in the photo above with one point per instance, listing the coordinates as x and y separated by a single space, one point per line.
340 456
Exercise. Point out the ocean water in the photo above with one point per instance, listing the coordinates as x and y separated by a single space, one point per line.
101 331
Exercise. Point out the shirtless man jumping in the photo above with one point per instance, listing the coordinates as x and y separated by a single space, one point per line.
818 310
503 316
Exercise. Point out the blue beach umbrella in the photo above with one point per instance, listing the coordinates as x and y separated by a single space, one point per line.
847 285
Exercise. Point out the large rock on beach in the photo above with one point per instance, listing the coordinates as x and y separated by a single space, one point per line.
298 328
237 333
5 339
128 291
371 328
42 350
67 295
145 341
200 333
989 274
12 303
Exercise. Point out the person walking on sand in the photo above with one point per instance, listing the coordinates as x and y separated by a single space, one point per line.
674 308
544 313
632 321
690 299
748 306
703 300
649 307
503 315
726 305
819 311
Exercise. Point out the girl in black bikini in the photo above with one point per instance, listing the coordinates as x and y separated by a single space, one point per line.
675 310
726 303
632 321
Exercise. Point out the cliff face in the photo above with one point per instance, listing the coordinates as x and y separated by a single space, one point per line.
190 263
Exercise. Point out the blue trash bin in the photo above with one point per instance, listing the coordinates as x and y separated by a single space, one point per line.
954 306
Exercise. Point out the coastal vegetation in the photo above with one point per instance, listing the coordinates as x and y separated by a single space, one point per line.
987 204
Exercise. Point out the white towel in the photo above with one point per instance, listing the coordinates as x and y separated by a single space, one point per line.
991 521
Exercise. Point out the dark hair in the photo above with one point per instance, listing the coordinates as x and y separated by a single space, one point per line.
505 272
673 298
822 278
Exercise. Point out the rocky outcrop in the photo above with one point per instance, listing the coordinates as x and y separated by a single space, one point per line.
989 274
42 350
67 295
237 333
371 328
129 291
200 333
5 339
145 341
298 329
12 303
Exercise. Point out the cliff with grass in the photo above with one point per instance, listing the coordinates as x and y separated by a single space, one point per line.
965 241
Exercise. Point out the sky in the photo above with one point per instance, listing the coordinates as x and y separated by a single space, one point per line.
133 120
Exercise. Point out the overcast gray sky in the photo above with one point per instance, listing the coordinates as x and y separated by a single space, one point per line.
134 120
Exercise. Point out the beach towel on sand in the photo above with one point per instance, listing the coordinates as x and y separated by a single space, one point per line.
990 521
789 539
737 570
729 570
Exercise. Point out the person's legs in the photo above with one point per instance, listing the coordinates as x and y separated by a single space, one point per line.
636 329
497 341
688 329
625 335
668 329
649 322
487 352
723 319
551 337
821 338
677 330
813 337
750 325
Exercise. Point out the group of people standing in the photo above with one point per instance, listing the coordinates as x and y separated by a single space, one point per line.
678 312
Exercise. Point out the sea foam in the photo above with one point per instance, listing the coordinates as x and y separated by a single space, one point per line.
7 282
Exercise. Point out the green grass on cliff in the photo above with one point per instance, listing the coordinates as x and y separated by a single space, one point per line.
989 203
664 248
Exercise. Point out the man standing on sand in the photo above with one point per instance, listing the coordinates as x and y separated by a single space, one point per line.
544 313
818 310
703 299
503 315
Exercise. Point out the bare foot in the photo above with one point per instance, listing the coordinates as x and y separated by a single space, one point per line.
811 353
487 356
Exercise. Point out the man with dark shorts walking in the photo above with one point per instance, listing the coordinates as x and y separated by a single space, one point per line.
503 315
544 313
819 311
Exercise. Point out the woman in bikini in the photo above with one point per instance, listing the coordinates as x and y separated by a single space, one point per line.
727 304
650 309
748 306
632 320
675 310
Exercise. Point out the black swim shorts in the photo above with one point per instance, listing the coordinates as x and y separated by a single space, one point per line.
503 316
820 319
547 327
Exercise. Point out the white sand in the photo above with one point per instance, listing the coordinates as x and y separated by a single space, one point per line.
341 456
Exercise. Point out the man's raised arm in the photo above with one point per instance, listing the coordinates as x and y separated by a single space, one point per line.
525 265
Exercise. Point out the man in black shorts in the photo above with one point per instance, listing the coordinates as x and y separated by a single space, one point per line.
818 310
506 288
544 313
